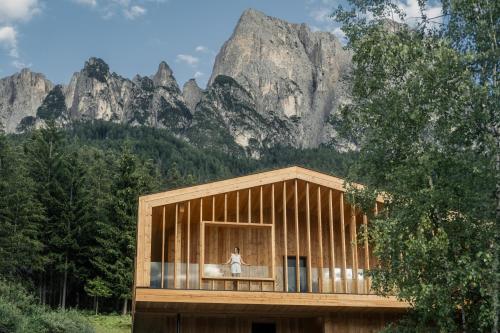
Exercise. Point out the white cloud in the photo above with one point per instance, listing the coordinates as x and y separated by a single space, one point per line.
18 10
130 9
340 34
90 3
8 36
134 12
201 48
412 10
198 74
8 40
19 64
322 14
188 59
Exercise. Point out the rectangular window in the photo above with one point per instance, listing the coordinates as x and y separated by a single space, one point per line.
292 278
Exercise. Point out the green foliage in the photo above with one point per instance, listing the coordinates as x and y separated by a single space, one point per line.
20 216
26 124
96 68
425 117
97 288
20 313
111 323
53 106
75 211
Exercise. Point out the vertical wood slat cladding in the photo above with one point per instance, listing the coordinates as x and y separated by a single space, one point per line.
285 246
333 323
332 240
162 274
342 240
354 248
308 235
320 241
313 222
297 237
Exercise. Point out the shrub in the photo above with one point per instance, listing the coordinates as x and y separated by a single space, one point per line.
20 313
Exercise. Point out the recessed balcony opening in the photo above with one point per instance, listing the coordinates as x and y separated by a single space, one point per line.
296 236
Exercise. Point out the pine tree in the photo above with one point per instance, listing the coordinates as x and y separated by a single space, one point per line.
21 216
57 176
116 238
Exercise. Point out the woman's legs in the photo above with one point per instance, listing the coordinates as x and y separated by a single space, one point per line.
235 283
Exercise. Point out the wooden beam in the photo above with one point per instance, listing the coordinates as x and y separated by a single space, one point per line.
147 245
201 246
261 207
163 249
225 207
332 240
273 239
262 302
231 278
342 239
176 250
188 226
285 253
213 207
366 278
354 247
320 242
297 243
249 205
308 231
237 225
237 206
245 182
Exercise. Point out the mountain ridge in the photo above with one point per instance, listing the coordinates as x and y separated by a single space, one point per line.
273 83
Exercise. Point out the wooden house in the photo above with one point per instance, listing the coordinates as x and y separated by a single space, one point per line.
300 237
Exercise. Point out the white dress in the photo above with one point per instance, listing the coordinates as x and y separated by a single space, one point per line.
235 263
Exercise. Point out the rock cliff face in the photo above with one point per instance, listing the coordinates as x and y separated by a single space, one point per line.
95 93
298 74
273 83
192 94
20 96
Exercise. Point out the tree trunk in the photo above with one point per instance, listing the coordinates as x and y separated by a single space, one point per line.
65 283
44 289
96 299
125 307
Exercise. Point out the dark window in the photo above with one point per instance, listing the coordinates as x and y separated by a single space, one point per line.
263 328
292 278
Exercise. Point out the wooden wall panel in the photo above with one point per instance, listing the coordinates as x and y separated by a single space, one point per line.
357 323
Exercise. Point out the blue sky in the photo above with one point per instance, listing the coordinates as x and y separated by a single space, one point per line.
55 37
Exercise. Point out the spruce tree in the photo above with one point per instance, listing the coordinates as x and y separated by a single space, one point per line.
21 217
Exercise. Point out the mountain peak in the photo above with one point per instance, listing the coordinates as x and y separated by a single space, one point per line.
252 12
96 68
192 94
164 77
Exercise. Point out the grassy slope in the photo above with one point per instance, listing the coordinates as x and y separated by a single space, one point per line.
111 323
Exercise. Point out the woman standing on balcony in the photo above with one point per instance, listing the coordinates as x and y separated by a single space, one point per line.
236 261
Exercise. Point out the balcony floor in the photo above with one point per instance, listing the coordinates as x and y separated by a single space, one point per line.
254 302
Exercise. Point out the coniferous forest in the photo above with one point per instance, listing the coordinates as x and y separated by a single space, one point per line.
68 213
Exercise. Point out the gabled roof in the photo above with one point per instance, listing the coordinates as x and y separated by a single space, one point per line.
244 182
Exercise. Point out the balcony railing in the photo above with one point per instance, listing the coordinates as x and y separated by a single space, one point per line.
254 278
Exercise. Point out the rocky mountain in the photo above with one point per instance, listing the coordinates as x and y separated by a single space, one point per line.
298 74
273 83
20 96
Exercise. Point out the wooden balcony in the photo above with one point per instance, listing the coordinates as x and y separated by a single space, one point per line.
303 241
277 303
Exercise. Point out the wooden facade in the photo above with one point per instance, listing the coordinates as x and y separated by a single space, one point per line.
304 242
